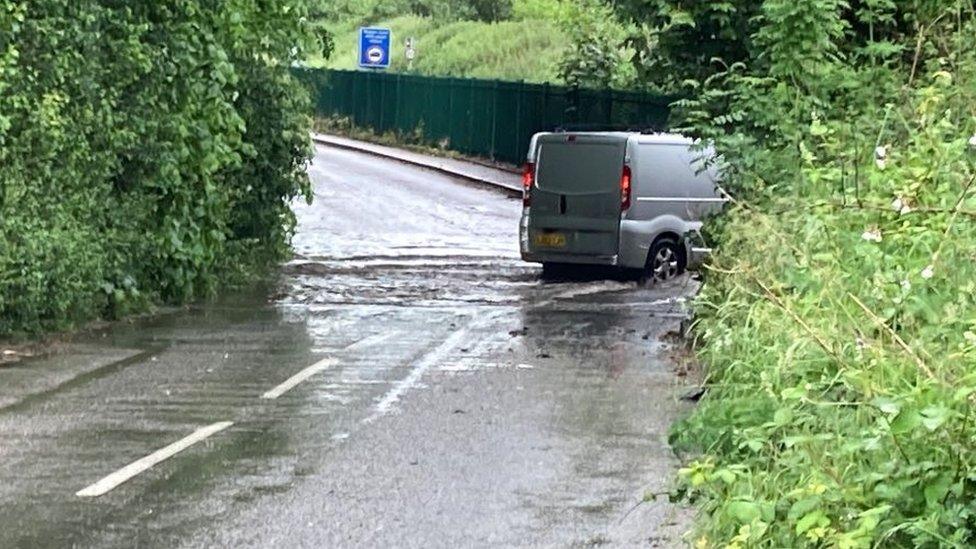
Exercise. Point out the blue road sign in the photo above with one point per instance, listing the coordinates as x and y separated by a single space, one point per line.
374 48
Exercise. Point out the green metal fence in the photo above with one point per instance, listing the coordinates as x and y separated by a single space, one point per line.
485 118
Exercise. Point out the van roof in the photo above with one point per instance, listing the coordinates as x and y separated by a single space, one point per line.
650 138
640 138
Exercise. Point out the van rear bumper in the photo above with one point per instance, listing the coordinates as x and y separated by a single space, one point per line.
697 250
550 257
697 257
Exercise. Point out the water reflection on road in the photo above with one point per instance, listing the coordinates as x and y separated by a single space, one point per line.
469 403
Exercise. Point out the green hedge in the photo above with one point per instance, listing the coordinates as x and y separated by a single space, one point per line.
838 321
148 151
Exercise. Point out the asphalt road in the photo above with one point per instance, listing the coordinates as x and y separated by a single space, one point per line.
407 382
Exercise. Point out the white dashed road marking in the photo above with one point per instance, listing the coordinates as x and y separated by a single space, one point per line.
112 481
369 341
420 368
294 380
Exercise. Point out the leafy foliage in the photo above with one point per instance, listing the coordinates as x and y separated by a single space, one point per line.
597 57
676 40
362 12
837 323
147 151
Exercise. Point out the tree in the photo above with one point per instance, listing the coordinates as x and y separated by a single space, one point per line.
677 40
148 151
492 10
597 56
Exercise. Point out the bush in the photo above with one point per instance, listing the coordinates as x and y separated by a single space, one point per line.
837 323
148 151
677 40
596 57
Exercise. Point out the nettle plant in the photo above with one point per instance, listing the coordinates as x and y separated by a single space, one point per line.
838 321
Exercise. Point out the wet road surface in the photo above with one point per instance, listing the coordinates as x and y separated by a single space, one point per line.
408 382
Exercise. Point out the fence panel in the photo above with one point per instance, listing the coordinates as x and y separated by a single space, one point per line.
488 118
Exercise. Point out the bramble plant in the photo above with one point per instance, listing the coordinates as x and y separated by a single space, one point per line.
148 151
837 322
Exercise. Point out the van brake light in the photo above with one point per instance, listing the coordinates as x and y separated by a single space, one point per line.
528 178
625 180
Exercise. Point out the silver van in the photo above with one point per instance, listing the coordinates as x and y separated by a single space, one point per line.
610 198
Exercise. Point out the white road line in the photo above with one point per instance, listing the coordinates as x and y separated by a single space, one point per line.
599 288
112 481
420 368
294 380
368 341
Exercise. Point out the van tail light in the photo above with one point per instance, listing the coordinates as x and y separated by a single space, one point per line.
528 178
625 180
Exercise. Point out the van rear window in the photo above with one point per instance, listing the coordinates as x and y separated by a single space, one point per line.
580 167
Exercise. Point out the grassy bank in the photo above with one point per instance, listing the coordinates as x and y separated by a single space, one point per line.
527 50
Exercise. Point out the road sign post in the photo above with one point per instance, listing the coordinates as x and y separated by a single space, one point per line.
409 52
374 48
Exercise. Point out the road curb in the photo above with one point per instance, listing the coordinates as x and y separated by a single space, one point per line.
415 160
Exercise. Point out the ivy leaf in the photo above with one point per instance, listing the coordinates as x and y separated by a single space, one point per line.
803 507
936 489
906 421
887 405
934 417
726 476
743 512
793 393
811 520
783 416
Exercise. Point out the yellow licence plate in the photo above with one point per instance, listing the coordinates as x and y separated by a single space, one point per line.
550 240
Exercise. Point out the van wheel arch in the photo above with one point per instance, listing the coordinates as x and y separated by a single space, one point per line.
665 240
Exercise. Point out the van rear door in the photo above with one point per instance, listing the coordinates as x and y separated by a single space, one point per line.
576 201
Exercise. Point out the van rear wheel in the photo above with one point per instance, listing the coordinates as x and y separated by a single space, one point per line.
665 260
553 271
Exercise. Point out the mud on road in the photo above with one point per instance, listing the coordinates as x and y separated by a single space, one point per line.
408 382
